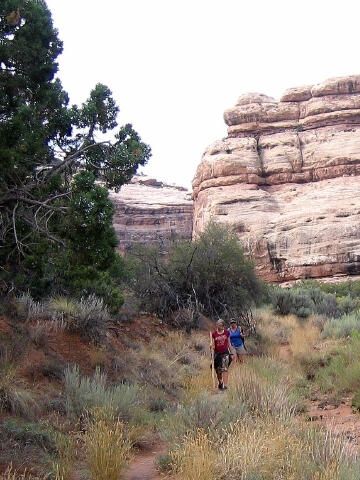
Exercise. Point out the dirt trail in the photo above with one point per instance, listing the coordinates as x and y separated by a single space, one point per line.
143 467
339 419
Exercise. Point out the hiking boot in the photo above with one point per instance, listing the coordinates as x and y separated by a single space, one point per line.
224 388
220 386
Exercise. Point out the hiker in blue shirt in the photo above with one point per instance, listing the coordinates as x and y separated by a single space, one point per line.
237 336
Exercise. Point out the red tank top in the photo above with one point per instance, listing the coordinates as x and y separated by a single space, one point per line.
221 341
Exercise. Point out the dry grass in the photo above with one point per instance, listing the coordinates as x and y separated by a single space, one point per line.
107 446
62 466
202 381
11 474
261 396
14 398
303 340
266 449
196 458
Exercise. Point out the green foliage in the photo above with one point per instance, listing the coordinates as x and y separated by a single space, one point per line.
286 301
209 275
56 220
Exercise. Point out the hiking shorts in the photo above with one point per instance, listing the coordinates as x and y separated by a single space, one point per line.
239 350
221 362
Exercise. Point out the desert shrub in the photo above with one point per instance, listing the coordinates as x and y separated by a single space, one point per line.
88 316
347 305
286 301
203 412
91 319
85 393
107 445
61 310
210 276
21 307
327 305
14 397
305 300
342 327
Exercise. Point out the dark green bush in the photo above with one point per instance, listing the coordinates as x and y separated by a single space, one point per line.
286 301
210 275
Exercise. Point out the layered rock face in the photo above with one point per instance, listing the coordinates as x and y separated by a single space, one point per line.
149 212
287 180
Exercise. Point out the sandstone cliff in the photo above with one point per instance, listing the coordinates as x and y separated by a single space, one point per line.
286 180
147 212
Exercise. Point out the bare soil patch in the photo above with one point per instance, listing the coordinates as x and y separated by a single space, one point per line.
143 467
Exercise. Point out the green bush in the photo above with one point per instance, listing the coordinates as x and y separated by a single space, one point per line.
209 275
348 305
286 301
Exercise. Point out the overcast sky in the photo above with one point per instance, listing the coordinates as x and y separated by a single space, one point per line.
175 66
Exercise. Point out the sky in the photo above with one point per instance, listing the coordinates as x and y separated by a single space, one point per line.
175 66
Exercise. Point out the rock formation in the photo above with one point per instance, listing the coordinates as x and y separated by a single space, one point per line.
148 211
286 180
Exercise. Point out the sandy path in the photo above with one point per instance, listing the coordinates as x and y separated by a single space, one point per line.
143 467
340 420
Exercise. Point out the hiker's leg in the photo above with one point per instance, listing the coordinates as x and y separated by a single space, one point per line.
240 358
225 377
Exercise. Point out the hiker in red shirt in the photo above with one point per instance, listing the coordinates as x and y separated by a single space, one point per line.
221 346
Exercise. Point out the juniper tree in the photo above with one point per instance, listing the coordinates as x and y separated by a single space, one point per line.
44 145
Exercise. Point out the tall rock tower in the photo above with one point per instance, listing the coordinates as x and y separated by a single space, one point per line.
286 180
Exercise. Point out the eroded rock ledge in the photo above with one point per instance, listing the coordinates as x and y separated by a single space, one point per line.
286 180
148 211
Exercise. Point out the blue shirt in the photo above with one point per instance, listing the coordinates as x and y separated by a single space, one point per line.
235 338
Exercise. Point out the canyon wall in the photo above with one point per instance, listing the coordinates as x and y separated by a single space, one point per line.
150 212
286 180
